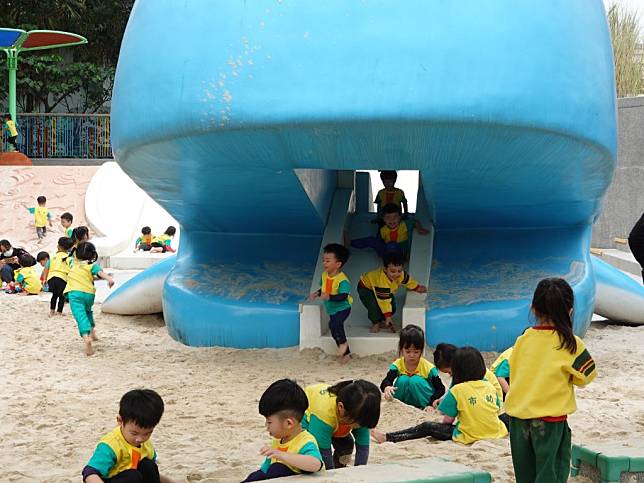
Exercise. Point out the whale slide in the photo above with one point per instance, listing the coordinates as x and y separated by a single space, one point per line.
507 114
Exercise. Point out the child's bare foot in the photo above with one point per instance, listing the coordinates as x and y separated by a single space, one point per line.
375 328
89 351
342 349
391 327
378 436
59 313
93 334
51 313
344 359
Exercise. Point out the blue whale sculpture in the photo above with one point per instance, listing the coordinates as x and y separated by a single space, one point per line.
238 116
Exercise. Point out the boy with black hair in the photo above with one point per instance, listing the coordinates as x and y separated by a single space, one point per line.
26 277
43 259
42 216
293 450
126 454
378 287
390 194
144 242
334 292
66 220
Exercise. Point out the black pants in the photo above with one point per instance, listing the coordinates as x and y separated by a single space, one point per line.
12 140
276 470
57 287
146 472
439 431
6 273
336 326
636 243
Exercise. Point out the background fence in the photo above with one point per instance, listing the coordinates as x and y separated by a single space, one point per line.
62 136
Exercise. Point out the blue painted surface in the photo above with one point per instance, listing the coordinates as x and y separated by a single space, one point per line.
506 108
8 37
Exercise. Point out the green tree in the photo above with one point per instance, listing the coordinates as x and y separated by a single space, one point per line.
82 76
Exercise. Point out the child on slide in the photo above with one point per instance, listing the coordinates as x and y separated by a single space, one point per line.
390 194
163 243
412 379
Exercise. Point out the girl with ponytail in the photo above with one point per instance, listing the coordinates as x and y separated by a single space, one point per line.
548 360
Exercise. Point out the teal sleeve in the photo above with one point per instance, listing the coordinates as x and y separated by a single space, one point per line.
432 373
310 449
361 436
96 268
344 287
138 240
49 215
32 210
48 264
503 369
167 242
321 431
103 459
448 405
20 278
265 465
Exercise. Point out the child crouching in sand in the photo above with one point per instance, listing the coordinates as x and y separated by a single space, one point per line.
471 399
293 450
412 379
126 454
81 292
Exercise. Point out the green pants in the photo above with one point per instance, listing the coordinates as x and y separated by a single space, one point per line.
540 450
413 390
368 299
81 305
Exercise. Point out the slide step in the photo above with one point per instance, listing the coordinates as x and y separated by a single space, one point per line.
608 462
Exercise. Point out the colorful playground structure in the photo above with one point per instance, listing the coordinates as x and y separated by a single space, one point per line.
255 142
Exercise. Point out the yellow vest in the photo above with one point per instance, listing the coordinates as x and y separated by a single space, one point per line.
505 356
80 278
323 405
398 234
31 281
330 285
58 266
384 289
542 375
423 369
12 128
127 456
40 216
294 446
393 197
491 378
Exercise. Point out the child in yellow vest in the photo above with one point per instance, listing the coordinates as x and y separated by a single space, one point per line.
42 216
390 194
412 379
80 291
56 274
163 243
334 292
12 132
66 220
377 288
144 241
547 362
471 399
340 417
27 277
293 450
43 259
126 453
501 370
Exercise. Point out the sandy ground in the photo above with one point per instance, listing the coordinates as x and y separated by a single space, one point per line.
55 403
20 186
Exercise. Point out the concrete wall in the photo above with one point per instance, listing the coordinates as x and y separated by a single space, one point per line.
624 201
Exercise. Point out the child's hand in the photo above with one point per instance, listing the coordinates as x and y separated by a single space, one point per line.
378 436
421 289
389 392
430 409
434 404
324 296
313 296
269 452
110 282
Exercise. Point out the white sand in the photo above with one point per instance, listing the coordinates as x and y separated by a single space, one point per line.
55 403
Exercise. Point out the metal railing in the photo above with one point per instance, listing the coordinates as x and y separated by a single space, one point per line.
62 136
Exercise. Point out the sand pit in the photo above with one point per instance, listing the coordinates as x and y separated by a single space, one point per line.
56 403
19 187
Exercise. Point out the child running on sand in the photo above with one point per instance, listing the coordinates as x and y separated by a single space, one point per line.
66 220
81 292
548 360
471 399
334 292
42 216
56 275
412 379
126 454
501 370
378 287
293 450
337 414
162 243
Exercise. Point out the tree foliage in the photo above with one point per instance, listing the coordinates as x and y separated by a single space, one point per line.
624 28
80 77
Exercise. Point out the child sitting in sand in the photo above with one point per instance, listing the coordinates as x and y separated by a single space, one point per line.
66 220
412 379
378 287
471 399
390 194
42 216
144 242
443 355
126 454
293 450
27 280
81 292
547 362
501 370
334 292
337 412
43 259
394 236
162 243
56 275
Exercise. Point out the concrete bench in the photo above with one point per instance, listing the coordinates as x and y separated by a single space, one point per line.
609 462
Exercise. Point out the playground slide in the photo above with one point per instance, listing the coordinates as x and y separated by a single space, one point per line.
506 112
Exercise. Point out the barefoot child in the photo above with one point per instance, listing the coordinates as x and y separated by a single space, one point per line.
42 216
471 399
126 454
66 220
56 275
547 362
293 450
80 291
334 292
337 412
378 287
412 379
501 370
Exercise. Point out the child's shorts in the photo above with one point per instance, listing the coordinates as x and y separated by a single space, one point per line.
159 245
